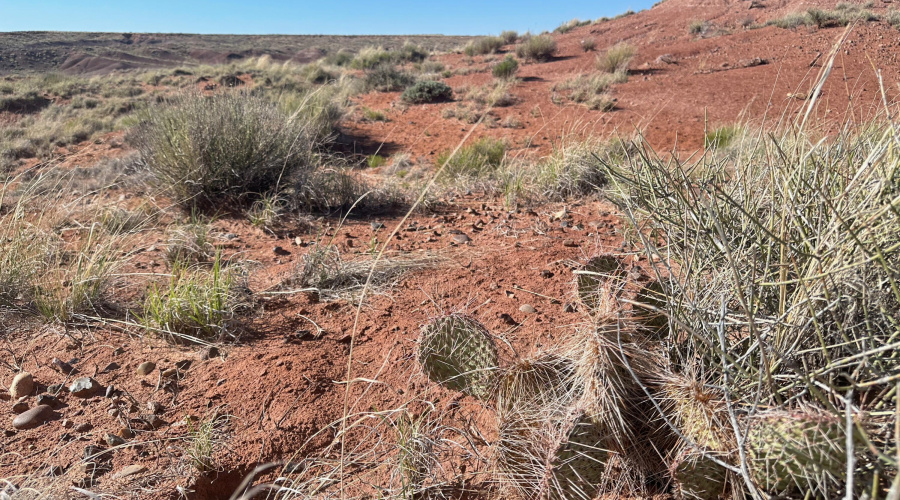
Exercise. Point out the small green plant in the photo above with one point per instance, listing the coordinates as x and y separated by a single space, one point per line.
476 160
506 68
893 18
722 137
195 303
375 161
588 45
387 78
373 115
266 211
616 59
537 48
426 92
696 27
202 441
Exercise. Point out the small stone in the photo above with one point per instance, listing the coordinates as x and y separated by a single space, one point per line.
62 366
54 389
46 399
110 367
119 351
546 274
155 408
67 424
110 392
461 239
130 470
171 372
21 405
84 387
114 412
210 353
22 385
85 427
33 417
569 243
125 433
152 421
146 368
113 440
280 251
55 470
527 309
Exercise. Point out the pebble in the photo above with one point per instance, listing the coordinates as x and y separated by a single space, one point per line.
460 239
146 368
46 399
62 366
54 389
125 433
171 372
85 427
33 417
22 385
20 406
67 424
569 243
546 274
84 387
280 251
155 408
527 309
113 440
110 391
152 421
130 470
110 367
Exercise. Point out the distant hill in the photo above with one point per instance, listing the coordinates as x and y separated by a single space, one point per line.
96 53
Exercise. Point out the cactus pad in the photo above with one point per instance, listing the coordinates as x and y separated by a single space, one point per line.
457 352
696 476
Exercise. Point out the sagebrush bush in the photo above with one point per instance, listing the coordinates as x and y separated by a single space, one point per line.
370 57
387 78
537 48
486 45
509 36
427 91
226 148
506 68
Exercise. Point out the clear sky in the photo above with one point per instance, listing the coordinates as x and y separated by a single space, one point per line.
342 17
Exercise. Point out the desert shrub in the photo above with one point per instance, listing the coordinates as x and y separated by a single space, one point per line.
591 90
506 68
588 45
336 188
475 160
375 161
411 52
616 59
496 93
570 25
790 21
428 91
27 102
509 36
696 27
387 78
316 73
537 48
342 57
481 46
225 148
570 170
373 115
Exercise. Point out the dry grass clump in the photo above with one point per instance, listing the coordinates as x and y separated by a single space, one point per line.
482 46
497 93
570 25
592 90
616 58
537 48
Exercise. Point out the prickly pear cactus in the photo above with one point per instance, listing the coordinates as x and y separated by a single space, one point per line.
696 476
798 454
556 457
457 352
593 281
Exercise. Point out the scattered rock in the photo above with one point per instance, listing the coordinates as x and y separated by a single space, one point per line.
84 387
171 372
67 424
110 367
155 408
280 251
113 440
119 351
62 366
110 392
130 470
46 399
85 427
183 365
54 389
125 433
22 385
33 417
509 320
20 406
151 421
569 243
146 368
546 274
461 239
527 309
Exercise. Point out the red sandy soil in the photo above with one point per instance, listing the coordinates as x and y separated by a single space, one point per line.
281 382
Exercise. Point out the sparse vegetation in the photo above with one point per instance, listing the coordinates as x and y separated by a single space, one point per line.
509 37
387 78
570 25
506 68
427 91
588 45
537 48
486 45
592 90
616 59
474 161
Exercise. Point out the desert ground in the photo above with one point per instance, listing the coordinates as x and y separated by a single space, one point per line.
649 256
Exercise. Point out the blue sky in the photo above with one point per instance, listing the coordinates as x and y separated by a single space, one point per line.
343 17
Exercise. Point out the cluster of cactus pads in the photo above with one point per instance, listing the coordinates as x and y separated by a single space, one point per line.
604 409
